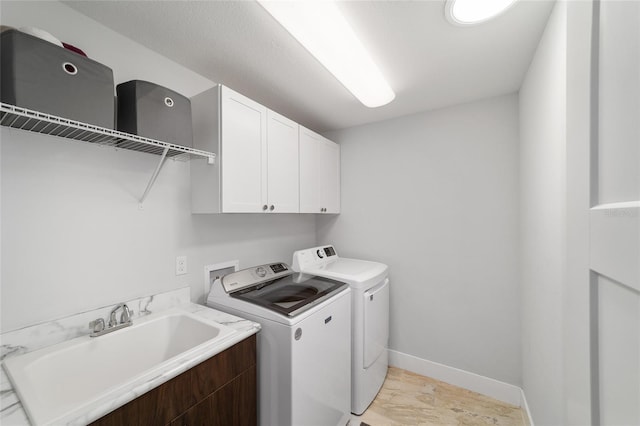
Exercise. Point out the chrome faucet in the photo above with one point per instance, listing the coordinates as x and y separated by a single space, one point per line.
98 326
124 318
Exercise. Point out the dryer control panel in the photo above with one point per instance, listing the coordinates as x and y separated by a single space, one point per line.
313 257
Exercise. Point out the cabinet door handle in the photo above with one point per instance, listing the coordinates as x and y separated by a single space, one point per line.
272 207
264 207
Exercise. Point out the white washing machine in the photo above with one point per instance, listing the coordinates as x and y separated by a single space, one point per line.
304 346
369 284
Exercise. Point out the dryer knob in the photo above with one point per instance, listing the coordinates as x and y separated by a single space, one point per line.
320 253
261 272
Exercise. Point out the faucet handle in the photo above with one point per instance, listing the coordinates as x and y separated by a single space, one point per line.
113 321
97 325
126 315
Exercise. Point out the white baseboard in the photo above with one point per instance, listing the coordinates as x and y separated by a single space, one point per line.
525 407
474 382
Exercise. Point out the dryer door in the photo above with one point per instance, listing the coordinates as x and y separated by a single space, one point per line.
376 322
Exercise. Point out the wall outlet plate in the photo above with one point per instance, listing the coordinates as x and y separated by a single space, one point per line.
181 265
212 272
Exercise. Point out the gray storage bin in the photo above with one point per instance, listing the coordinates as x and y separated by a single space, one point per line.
149 110
41 76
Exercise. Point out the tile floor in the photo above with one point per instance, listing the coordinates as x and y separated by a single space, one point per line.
410 399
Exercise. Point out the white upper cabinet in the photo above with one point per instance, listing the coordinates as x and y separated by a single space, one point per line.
329 176
243 134
282 164
256 167
319 173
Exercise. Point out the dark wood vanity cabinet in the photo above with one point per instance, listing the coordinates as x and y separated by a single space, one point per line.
219 391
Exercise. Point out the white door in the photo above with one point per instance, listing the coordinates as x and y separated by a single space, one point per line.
615 217
309 171
319 173
329 176
282 164
244 168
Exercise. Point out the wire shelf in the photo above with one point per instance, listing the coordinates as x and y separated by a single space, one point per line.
38 122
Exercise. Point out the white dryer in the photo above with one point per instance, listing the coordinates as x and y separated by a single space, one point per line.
369 284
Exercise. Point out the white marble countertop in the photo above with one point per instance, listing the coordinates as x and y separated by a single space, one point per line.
32 338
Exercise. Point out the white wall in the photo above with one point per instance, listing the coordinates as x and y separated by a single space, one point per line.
543 226
434 195
72 235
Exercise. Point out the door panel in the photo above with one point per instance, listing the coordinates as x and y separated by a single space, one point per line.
330 176
282 164
619 353
619 102
615 215
319 174
243 131
309 169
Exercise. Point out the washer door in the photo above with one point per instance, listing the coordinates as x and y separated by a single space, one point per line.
376 322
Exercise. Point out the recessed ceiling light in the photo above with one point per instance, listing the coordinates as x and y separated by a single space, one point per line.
470 12
325 33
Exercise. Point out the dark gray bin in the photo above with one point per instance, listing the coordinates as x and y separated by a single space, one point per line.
149 110
41 76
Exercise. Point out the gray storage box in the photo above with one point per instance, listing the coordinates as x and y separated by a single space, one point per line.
146 109
41 76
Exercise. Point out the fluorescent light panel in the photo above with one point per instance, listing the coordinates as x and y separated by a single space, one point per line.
321 28
468 12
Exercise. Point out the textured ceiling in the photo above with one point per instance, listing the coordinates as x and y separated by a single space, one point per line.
428 62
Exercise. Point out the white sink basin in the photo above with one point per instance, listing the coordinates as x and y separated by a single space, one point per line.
59 383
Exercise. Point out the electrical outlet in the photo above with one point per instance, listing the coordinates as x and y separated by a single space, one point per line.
181 265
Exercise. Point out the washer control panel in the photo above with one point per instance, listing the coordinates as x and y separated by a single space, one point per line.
313 257
251 276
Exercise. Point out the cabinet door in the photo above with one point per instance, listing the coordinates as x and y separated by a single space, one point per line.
329 176
244 137
282 164
319 173
309 170
234 404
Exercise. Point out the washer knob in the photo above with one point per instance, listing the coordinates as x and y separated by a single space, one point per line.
320 253
261 272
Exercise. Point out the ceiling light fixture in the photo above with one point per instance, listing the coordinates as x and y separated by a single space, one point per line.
325 33
470 12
